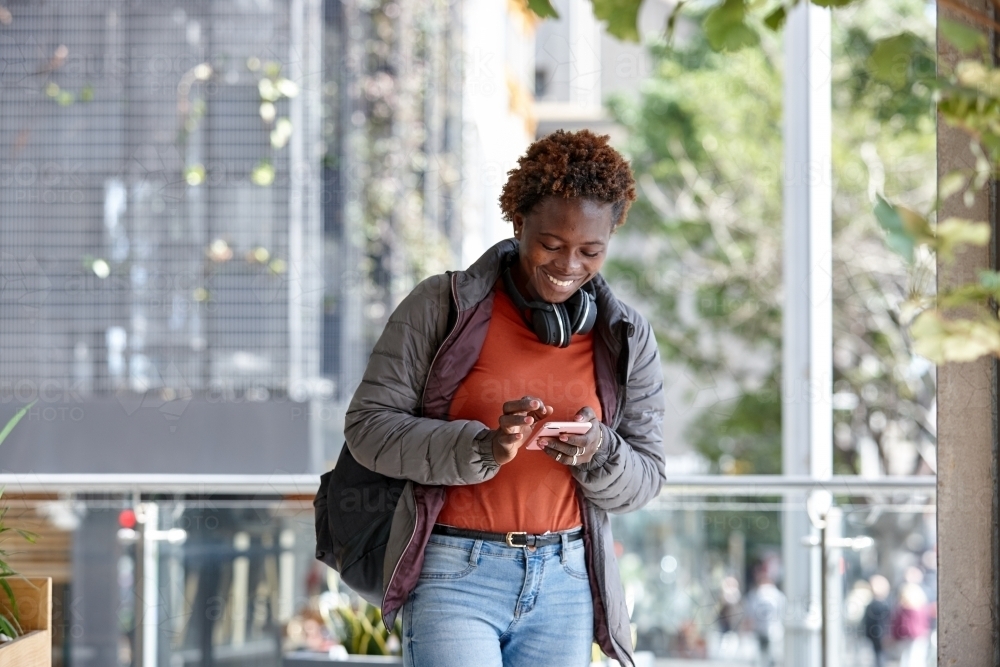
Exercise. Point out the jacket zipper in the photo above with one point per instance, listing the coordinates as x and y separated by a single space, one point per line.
627 329
413 533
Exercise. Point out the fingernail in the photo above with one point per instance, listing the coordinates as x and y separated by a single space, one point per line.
534 404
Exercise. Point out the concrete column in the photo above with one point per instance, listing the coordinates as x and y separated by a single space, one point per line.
967 437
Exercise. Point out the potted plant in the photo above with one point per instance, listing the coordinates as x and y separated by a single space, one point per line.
363 633
363 638
25 604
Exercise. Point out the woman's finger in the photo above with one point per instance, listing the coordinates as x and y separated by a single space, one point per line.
528 405
515 423
506 446
581 441
563 452
523 405
564 447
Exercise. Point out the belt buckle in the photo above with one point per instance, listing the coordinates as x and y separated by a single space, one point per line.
511 535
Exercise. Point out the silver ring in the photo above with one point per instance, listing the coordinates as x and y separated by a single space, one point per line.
574 459
579 450
559 457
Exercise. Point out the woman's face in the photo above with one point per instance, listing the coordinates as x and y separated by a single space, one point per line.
563 243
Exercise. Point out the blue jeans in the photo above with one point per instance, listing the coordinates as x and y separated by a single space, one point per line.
490 605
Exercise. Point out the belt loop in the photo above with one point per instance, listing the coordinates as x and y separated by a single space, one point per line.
474 554
564 541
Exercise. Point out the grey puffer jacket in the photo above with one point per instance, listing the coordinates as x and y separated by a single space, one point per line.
397 425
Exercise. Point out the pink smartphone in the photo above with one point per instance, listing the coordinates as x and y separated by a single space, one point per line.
553 429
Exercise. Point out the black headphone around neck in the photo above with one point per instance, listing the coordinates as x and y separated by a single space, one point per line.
555 323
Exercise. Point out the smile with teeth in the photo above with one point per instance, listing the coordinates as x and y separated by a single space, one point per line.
560 283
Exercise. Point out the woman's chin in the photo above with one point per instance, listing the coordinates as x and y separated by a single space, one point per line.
553 295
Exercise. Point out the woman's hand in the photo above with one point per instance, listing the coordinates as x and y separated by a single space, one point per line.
572 450
515 423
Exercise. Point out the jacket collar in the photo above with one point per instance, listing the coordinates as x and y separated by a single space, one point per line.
475 284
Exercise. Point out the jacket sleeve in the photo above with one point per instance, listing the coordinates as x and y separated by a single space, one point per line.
628 471
382 428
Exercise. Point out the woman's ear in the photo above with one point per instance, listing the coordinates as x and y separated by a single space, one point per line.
518 225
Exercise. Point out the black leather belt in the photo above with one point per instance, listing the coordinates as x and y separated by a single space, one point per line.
511 539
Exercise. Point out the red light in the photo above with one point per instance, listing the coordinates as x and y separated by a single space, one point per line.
126 519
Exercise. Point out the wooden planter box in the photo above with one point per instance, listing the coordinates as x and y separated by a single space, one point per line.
34 647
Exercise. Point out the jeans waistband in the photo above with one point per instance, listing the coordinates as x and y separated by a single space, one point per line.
511 539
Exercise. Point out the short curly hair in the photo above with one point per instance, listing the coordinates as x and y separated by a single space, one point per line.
569 164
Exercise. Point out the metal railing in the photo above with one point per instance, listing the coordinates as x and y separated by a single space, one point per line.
286 484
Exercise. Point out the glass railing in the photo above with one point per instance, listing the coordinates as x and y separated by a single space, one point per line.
183 572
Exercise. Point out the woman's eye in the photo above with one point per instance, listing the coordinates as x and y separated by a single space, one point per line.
550 249
591 255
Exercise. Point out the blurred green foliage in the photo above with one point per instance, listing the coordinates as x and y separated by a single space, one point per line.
9 625
705 141
361 630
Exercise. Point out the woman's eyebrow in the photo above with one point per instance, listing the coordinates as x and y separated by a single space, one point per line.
559 238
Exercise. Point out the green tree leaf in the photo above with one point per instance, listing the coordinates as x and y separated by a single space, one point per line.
543 9
620 16
776 19
897 237
942 340
965 38
726 29
954 232
834 3
952 183
892 57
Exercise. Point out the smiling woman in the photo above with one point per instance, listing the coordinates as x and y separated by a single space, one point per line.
500 553
569 193
563 243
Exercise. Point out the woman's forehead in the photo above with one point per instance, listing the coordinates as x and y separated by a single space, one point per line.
556 215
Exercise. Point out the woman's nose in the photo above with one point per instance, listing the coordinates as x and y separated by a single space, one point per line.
568 262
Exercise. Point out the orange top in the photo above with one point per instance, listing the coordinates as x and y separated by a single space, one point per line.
532 493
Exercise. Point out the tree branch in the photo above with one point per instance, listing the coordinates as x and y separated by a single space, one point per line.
981 19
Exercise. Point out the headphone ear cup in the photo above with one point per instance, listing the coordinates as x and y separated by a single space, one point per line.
565 328
582 312
590 319
546 325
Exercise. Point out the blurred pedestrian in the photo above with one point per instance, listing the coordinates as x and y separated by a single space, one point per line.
765 607
876 618
730 617
730 613
911 625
